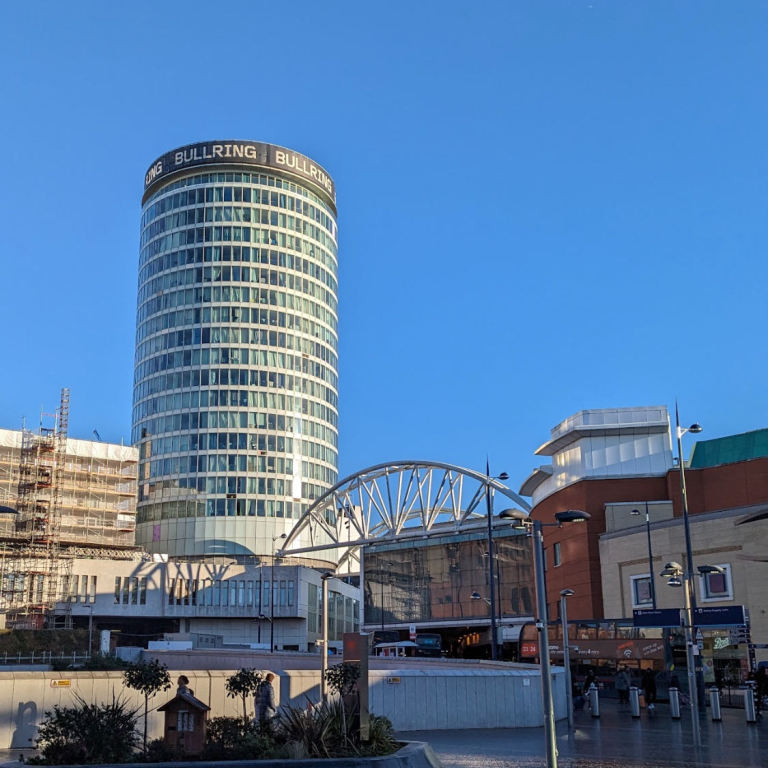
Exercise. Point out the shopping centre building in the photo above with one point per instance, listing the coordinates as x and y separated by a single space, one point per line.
618 465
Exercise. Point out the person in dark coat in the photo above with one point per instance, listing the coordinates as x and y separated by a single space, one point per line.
622 685
265 700
648 682
588 680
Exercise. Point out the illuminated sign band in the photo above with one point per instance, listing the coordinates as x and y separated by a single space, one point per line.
240 153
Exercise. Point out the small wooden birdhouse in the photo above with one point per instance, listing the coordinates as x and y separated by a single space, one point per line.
186 720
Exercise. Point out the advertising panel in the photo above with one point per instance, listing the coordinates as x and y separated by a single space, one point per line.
240 153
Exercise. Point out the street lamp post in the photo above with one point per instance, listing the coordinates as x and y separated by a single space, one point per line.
680 431
90 630
491 579
564 595
650 553
694 429
324 660
542 623
542 626
272 594
678 576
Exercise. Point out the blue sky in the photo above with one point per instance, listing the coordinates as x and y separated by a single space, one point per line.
543 206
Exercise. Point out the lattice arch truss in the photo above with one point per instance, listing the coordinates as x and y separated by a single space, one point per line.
393 500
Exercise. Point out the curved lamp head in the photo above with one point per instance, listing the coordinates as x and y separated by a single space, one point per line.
635 512
694 429
503 476
475 596
327 575
519 518
675 581
567 593
572 516
672 569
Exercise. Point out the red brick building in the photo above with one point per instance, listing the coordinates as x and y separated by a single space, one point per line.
624 456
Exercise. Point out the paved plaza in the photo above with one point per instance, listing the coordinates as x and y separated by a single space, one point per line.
615 740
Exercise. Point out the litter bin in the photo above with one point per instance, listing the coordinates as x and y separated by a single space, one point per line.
674 703
594 701
750 711
714 704
634 701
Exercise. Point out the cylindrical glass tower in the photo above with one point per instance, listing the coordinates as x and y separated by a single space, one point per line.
235 404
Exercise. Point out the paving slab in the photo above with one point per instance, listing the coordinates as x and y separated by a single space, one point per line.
615 740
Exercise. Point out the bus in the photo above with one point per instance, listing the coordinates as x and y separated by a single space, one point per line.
428 644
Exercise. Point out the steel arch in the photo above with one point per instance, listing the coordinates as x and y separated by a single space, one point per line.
390 500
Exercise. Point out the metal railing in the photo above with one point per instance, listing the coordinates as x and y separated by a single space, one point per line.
43 657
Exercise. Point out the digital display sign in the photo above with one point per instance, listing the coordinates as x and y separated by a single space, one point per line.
240 153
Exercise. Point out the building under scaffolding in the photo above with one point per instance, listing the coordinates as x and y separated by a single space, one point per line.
60 498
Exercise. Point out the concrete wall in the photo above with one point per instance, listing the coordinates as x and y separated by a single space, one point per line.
413 699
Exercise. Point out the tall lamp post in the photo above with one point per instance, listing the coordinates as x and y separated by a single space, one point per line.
542 623
694 429
564 595
272 594
680 431
650 553
324 661
681 577
491 580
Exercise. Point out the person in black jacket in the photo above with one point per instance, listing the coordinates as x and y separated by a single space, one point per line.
648 682
265 700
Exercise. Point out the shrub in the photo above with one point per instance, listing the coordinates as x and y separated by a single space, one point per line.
342 679
232 738
312 732
381 737
321 731
87 734
160 752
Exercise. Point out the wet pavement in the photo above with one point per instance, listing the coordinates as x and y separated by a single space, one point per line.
615 740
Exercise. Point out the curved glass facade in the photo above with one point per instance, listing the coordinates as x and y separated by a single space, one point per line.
235 405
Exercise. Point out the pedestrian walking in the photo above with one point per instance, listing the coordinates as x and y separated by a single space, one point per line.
649 688
621 682
265 700
589 680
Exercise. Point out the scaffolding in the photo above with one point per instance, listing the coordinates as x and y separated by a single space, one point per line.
33 568
60 499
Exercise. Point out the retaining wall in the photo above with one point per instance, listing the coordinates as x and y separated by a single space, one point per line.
413 699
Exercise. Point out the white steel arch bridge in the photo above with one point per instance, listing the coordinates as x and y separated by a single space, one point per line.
394 500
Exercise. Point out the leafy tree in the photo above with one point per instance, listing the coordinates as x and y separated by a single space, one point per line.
244 683
149 678
342 678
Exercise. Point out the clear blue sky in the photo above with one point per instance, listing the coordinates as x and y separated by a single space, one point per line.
543 206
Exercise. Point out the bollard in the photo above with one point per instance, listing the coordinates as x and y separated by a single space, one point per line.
594 702
674 703
634 701
714 704
749 704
